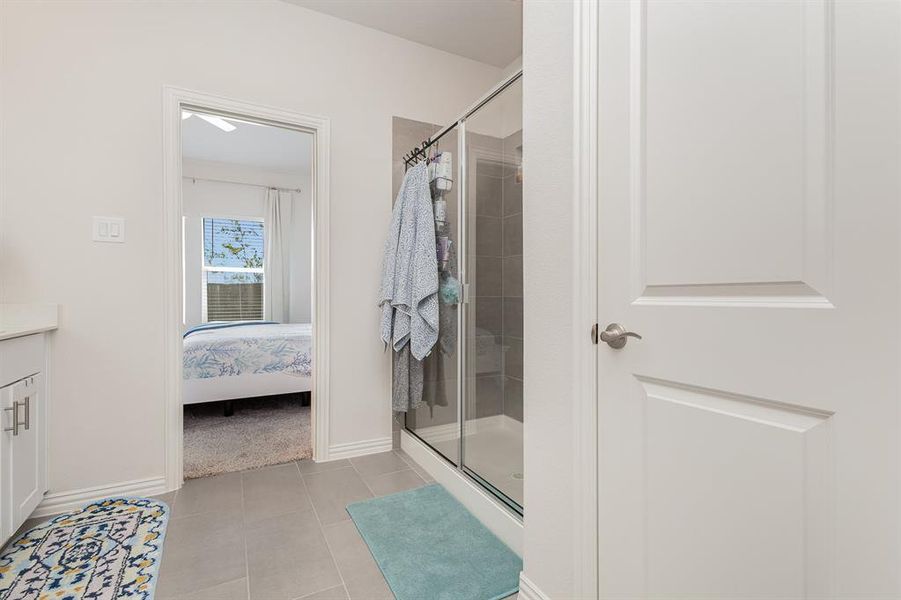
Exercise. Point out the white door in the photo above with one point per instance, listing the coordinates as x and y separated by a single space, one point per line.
748 230
26 455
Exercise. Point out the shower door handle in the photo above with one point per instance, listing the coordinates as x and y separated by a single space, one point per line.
616 336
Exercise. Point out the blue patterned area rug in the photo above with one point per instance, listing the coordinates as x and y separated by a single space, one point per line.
109 549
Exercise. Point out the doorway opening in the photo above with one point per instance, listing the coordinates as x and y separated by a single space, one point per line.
247 216
247 221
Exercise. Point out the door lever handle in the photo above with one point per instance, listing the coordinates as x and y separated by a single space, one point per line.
616 336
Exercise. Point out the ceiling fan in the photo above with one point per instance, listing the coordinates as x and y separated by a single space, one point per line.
212 120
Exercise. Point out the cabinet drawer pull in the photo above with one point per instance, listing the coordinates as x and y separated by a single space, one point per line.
27 421
15 410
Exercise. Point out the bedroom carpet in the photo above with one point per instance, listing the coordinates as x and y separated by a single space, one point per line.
262 432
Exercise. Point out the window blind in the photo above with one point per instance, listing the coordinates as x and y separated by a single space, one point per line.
233 277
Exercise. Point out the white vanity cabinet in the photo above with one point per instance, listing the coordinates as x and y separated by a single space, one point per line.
23 439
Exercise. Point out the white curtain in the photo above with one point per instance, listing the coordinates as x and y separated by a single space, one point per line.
277 257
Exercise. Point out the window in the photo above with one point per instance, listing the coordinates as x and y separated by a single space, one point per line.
232 269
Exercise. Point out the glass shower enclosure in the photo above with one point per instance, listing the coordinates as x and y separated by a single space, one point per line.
472 412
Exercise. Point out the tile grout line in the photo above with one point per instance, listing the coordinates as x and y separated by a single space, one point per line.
410 463
360 475
402 457
374 495
311 594
331 553
414 466
407 468
159 571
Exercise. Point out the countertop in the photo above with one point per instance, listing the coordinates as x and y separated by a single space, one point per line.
17 320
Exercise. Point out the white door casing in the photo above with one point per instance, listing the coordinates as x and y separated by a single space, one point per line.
748 225
173 100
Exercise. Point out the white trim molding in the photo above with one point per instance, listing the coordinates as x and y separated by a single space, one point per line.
173 101
585 293
354 449
59 502
529 591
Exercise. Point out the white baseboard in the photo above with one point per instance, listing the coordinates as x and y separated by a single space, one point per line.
352 449
530 591
59 502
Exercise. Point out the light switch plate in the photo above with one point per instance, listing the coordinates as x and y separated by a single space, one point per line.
109 229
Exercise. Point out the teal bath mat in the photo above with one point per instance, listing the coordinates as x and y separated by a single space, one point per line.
429 546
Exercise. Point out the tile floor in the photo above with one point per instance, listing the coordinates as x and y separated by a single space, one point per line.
279 533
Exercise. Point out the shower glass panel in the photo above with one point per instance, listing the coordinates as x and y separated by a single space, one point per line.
437 420
493 368
472 410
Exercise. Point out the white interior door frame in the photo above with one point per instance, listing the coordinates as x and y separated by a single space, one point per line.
173 100
585 287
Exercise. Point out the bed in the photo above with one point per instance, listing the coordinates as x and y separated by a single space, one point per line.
225 361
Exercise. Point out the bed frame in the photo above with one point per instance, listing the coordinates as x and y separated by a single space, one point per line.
251 385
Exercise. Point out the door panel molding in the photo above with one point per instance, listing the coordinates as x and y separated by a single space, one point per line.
761 469
792 264
759 410
769 294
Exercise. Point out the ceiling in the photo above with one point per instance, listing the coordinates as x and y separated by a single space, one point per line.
249 144
489 31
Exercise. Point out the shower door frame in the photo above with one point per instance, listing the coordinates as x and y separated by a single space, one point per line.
462 315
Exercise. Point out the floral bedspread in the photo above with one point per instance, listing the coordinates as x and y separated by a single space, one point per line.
249 348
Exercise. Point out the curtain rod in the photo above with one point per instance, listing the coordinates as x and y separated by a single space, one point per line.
259 185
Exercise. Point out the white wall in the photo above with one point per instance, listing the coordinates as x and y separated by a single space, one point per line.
81 134
204 198
548 225
514 66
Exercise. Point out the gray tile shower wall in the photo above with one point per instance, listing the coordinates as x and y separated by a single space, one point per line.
489 201
440 376
488 290
512 274
489 235
513 398
512 329
512 231
489 276
495 206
